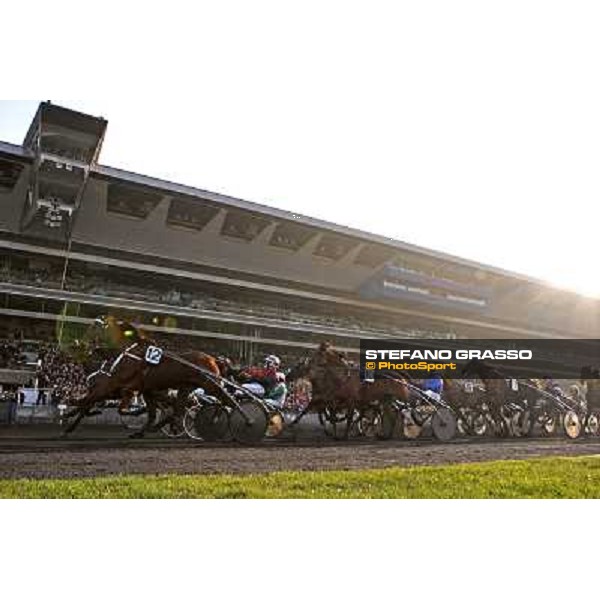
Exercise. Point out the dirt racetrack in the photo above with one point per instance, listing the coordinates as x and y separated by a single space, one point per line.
35 452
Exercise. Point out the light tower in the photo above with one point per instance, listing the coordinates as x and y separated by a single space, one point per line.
65 145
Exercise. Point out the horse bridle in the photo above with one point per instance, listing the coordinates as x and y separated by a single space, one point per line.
110 371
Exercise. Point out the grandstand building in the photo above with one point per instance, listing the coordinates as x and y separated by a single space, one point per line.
79 239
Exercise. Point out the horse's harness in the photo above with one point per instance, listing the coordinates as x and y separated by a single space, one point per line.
127 353
152 356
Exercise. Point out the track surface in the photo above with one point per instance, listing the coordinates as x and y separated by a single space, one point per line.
35 452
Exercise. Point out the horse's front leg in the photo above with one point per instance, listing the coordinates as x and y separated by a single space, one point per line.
349 421
80 412
180 406
125 403
151 420
166 419
71 413
83 409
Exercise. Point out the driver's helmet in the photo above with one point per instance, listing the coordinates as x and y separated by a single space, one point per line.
272 361
197 393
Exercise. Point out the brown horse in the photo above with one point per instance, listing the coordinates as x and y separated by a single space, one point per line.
496 390
132 371
590 377
466 403
339 393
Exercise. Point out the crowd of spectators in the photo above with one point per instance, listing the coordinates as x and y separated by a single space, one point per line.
59 373
11 354
32 276
211 302
53 370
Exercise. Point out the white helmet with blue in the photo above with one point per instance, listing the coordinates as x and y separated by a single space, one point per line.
272 361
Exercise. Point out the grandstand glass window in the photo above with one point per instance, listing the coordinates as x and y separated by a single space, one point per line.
291 235
64 173
373 255
62 145
243 225
334 246
64 194
191 214
9 175
131 201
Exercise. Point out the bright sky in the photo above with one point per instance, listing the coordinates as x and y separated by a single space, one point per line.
468 127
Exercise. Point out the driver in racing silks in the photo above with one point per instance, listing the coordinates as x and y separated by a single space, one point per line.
267 381
433 386
549 385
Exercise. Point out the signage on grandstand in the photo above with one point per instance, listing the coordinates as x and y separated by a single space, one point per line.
483 359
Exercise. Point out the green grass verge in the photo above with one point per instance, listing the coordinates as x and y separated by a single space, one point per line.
540 478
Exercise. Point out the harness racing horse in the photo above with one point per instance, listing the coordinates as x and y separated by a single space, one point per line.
465 398
590 377
514 410
496 391
145 368
339 395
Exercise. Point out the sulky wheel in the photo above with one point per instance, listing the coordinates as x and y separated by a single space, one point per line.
443 424
571 424
369 421
188 423
592 424
411 430
208 422
479 424
548 422
276 424
248 422
173 429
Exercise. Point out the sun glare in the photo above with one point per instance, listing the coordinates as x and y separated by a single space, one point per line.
580 283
